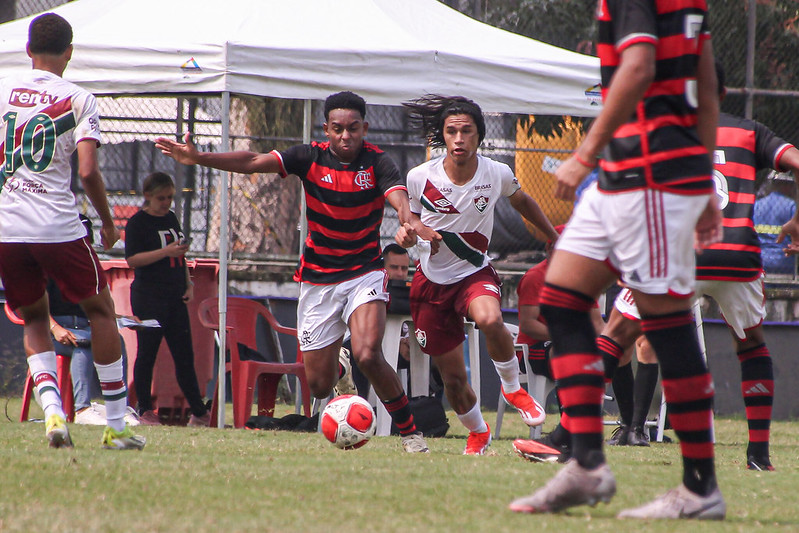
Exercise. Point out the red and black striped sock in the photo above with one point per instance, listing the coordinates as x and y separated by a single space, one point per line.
688 388
578 368
400 411
611 354
757 388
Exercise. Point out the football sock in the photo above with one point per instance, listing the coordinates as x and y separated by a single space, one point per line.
44 371
611 353
688 388
115 393
646 379
341 371
399 409
473 420
508 374
757 387
578 369
623 389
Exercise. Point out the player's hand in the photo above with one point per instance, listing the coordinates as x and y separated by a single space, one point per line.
432 236
175 249
406 236
185 152
189 294
790 229
568 176
109 235
709 229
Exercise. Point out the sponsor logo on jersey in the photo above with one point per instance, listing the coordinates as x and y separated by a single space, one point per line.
433 200
364 180
421 337
30 98
481 202
482 186
328 178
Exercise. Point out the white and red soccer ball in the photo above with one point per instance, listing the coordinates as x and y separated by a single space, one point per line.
348 421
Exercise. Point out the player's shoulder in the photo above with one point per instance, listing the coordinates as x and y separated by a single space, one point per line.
734 121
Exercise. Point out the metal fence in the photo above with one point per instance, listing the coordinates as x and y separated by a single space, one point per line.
265 210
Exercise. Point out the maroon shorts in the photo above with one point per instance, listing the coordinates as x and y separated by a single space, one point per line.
73 265
438 310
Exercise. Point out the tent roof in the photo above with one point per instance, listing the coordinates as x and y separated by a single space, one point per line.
386 50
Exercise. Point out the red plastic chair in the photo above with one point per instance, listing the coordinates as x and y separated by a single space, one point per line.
64 380
241 326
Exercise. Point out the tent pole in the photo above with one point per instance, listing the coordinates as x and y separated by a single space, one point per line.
224 224
306 139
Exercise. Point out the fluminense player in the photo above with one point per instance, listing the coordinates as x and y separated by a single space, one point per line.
44 120
456 195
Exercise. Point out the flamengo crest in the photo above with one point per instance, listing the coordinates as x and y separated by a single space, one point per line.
480 203
363 179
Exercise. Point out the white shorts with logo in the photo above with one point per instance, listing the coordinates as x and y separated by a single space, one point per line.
323 311
647 235
742 303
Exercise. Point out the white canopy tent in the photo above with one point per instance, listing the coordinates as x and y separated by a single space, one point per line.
387 51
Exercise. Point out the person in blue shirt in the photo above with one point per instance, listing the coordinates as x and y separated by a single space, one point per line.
771 212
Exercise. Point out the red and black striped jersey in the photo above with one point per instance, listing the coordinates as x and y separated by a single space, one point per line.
344 209
742 148
659 146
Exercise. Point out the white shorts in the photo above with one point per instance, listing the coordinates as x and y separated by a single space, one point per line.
646 235
323 311
743 304
625 303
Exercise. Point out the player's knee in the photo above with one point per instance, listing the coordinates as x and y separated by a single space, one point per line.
491 325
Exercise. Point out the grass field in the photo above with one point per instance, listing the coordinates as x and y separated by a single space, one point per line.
236 480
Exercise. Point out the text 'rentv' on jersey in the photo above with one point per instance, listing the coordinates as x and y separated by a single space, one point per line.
659 146
462 214
742 148
43 119
344 209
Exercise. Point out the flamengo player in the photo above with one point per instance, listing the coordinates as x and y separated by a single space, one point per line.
456 195
45 119
656 133
341 275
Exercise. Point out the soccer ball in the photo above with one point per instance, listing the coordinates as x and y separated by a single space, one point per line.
348 421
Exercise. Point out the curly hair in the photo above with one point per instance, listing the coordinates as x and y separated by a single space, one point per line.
429 112
49 34
345 100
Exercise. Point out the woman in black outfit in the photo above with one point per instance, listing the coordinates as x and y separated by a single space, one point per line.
155 247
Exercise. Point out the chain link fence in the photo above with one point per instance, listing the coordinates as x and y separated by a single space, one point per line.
265 209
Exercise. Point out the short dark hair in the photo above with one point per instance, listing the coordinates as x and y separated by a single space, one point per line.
49 34
345 100
394 248
429 112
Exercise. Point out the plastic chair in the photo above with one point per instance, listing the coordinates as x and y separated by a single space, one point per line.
63 376
241 326
538 386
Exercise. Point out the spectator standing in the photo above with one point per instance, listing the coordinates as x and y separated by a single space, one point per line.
44 120
155 247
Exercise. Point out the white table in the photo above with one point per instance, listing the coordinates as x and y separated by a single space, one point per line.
419 364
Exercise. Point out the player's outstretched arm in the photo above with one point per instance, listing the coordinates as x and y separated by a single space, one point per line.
241 162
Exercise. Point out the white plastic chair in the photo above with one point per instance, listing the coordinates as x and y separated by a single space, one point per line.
538 386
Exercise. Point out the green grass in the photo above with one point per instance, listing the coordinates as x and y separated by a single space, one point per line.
236 480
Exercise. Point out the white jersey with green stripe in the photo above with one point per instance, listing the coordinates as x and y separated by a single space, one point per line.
43 119
462 214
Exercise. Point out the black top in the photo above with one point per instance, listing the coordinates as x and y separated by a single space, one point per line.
145 233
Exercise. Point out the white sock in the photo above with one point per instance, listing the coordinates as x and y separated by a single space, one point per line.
44 372
115 393
473 420
508 374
